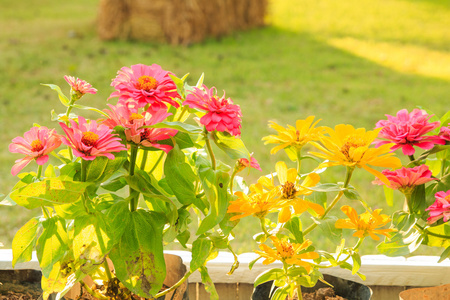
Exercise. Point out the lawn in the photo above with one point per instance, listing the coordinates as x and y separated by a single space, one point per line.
344 62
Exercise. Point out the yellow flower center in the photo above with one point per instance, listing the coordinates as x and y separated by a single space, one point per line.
36 146
261 203
147 83
289 190
89 138
447 198
352 142
135 116
285 250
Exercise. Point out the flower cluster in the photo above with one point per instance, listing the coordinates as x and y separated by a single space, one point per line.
144 149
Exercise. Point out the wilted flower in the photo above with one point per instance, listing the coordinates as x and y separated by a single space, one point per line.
349 147
221 114
79 87
145 85
407 130
440 209
298 136
89 140
36 144
406 179
243 163
290 253
365 224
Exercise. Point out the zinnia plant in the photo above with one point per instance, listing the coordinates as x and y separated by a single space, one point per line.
123 187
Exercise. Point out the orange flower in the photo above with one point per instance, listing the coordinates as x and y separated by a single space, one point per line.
364 224
258 203
349 147
291 192
290 253
298 136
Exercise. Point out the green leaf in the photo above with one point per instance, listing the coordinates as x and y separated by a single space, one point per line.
231 145
327 187
180 177
90 108
118 217
328 228
272 274
440 236
183 237
138 258
101 168
48 192
92 240
356 263
352 194
25 240
142 182
215 184
418 202
201 248
64 100
52 244
115 184
209 284
389 195
183 127
294 225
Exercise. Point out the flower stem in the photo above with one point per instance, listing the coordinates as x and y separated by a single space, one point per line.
45 212
157 162
210 151
83 170
175 286
133 155
185 108
263 227
144 159
39 172
69 109
299 161
232 181
348 176
107 270
92 293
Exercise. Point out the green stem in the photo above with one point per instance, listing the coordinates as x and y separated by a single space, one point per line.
299 161
39 172
84 164
144 159
93 293
299 292
107 270
210 151
431 233
133 155
157 162
444 161
232 181
45 212
348 176
263 227
69 109
185 108
175 286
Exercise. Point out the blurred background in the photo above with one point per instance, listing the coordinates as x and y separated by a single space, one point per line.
343 61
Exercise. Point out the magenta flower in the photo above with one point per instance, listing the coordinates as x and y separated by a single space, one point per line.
145 85
80 87
405 179
444 133
243 163
133 121
36 144
407 130
440 208
221 114
89 140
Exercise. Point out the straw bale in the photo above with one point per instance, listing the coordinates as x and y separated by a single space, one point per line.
177 21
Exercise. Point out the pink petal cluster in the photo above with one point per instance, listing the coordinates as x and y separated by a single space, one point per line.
243 163
221 114
440 208
407 130
444 133
146 85
36 144
405 179
129 118
89 139
80 87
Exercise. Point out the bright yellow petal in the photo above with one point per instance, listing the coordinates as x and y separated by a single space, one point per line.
281 169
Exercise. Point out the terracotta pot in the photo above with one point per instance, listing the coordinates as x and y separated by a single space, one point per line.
345 288
429 293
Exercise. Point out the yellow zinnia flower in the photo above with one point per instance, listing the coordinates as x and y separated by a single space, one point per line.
303 132
364 224
258 203
349 147
290 253
292 192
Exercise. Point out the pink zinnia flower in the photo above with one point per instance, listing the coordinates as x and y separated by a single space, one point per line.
133 121
79 87
89 140
440 208
36 144
405 179
243 163
146 85
221 114
444 133
407 130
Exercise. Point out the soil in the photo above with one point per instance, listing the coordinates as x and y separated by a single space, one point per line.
326 293
23 291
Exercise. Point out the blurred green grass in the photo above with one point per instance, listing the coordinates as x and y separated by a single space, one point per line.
344 62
